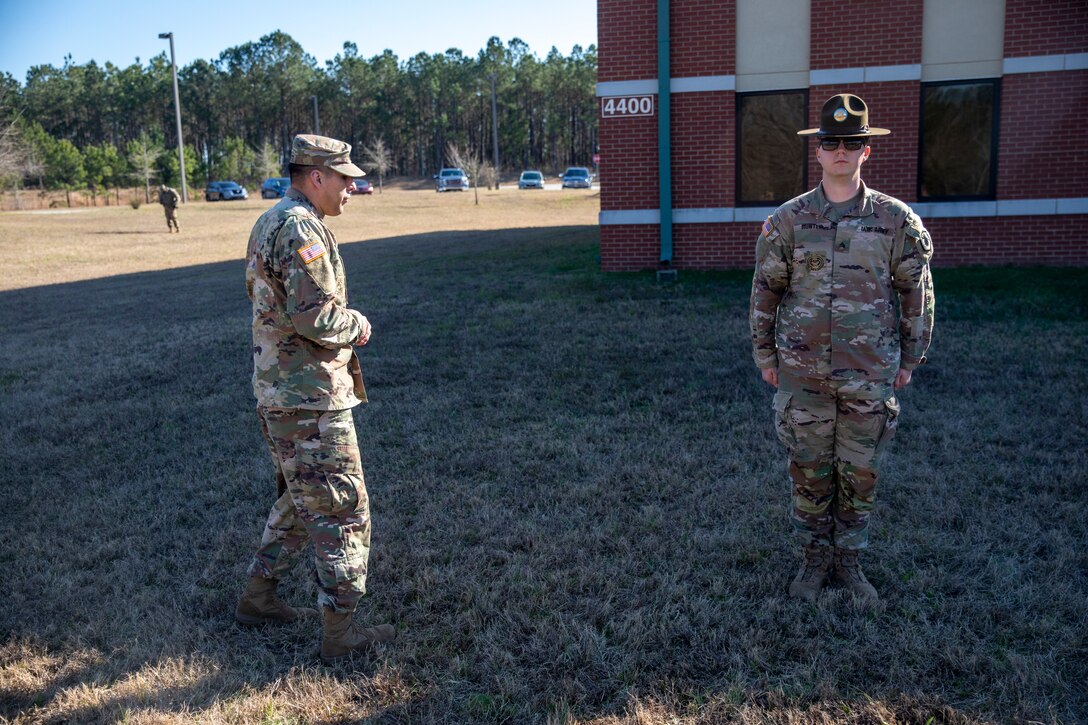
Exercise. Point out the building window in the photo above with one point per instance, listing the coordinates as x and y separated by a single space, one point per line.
771 157
958 140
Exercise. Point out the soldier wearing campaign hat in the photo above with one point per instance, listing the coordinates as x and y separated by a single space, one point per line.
841 315
307 378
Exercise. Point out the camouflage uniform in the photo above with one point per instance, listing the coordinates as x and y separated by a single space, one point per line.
169 199
840 301
306 378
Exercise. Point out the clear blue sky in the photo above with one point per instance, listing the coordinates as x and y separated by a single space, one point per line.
40 32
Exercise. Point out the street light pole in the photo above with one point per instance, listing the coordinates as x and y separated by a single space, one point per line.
177 114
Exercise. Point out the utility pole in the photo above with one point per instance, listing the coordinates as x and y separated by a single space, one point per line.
177 114
494 131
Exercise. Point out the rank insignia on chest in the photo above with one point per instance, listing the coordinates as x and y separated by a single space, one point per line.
312 251
815 261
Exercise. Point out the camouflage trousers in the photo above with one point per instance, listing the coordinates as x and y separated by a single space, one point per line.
835 432
322 499
171 217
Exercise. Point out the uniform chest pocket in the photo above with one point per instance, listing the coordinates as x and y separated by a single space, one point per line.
870 248
812 262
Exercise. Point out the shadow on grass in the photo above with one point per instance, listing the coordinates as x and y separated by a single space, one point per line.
579 504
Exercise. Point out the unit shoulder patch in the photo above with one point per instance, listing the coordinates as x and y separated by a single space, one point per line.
769 230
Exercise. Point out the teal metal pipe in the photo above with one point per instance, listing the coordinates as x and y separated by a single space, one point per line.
664 130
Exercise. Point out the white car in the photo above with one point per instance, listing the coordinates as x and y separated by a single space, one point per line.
451 179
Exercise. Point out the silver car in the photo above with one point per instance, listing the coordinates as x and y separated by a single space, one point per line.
451 180
531 180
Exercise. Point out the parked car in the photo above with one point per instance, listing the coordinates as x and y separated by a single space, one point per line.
448 179
577 177
224 191
361 186
531 180
275 188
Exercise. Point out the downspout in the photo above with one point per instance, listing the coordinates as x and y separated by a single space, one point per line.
664 131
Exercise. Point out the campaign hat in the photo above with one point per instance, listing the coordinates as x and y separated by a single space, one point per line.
844 116
310 150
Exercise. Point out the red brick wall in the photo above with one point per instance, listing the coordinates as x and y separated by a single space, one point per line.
1045 27
628 168
1043 147
703 37
626 40
703 150
893 166
714 246
981 240
630 247
1007 240
853 33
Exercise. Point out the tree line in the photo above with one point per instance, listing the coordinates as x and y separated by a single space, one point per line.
101 126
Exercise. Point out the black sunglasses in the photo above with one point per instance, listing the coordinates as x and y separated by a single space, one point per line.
850 144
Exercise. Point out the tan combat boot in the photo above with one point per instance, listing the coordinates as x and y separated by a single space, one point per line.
815 564
341 636
260 605
848 572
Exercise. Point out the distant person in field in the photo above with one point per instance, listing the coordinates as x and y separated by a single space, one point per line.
307 378
841 315
169 199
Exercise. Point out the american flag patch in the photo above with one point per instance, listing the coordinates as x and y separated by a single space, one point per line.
767 227
312 252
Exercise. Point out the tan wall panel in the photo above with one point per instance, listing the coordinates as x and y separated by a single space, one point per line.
772 43
962 39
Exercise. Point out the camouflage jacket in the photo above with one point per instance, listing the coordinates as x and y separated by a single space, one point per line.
303 331
845 297
169 198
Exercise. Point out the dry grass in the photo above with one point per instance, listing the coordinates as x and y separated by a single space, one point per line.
579 504
65 245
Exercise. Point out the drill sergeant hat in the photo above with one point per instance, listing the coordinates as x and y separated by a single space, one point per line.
310 150
844 116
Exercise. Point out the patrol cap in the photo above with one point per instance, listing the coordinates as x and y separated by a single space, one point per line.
844 116
310 150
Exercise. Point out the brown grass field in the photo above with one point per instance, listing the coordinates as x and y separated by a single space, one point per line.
580 507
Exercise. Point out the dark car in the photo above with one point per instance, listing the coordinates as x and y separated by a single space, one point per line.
531 180
577 177
275 188
361 186
448 179
224 191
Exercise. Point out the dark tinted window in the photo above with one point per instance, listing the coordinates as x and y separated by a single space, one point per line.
959 140
771 164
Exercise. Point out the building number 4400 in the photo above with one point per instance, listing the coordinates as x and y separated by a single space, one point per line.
627 106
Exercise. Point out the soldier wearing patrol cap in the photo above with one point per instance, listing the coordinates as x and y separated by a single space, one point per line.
307 378
169 199
841 315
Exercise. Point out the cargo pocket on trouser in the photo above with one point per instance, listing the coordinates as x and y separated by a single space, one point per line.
331 480
891 424
342 543
782 424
